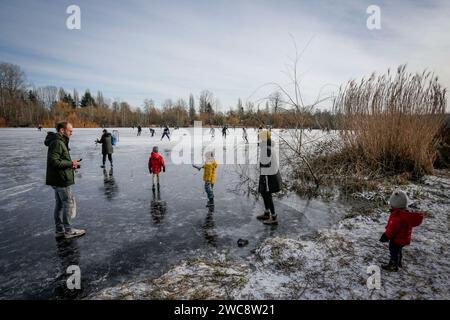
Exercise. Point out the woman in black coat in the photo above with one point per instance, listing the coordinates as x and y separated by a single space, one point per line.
107 147
269 178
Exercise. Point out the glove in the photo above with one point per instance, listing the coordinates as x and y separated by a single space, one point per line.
150 171
164 169
384 238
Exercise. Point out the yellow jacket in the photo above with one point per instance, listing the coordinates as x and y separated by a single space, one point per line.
209 173
261 135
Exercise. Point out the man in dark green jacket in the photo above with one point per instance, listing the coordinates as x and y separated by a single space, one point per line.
60 175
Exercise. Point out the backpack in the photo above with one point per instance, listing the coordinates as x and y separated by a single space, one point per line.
113 140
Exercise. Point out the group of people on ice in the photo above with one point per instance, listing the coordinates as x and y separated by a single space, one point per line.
166 131
60 176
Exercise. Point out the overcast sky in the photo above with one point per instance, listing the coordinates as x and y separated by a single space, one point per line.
134 50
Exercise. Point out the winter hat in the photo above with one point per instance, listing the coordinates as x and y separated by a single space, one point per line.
155 149
209 156
399 200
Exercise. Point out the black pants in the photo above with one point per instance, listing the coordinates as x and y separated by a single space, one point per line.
165 134
396 253
268 202
109 158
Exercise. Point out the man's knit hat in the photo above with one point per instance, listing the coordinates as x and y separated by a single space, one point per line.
399 200
155 149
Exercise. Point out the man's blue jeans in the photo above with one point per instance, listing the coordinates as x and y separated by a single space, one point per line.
63 208
209 188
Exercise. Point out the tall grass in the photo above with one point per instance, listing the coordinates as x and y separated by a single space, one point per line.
389 123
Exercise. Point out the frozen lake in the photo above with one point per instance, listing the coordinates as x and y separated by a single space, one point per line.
127 237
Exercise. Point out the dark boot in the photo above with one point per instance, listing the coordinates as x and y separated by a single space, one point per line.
392 266
271 221
264 216
210 203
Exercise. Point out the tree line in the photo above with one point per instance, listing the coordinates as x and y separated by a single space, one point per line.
22 105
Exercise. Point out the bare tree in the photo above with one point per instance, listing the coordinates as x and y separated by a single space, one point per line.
275 101
206 97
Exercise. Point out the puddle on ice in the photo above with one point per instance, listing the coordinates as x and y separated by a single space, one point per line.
131 231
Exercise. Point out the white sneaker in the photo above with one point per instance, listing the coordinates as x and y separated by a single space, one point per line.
74 233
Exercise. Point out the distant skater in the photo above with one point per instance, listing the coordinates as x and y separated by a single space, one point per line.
155 164
209 176
40 127
107 147
166 133
212 132
139 130
269 178
244 135
399 228
152 132
224 131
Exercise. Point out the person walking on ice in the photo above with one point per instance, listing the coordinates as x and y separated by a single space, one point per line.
166 133
60 176
269 178
224 131
244 135
209 176
212 132
107 147
155 164
399 228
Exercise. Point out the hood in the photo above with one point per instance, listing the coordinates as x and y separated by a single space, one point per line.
155 155
52 136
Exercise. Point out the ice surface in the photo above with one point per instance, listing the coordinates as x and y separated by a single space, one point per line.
130 233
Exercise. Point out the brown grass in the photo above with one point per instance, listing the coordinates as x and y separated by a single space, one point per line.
389 123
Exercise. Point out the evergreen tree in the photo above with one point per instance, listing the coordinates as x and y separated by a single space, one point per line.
87 100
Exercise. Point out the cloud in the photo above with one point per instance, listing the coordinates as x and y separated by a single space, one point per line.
140 49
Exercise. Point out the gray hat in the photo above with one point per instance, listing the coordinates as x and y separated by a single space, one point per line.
155 149
399 200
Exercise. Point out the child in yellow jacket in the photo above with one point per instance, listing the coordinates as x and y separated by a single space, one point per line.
209 176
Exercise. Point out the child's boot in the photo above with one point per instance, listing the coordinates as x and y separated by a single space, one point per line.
392 266
272 220
264 216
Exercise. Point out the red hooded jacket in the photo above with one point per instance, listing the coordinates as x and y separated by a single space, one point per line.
400 224
155 163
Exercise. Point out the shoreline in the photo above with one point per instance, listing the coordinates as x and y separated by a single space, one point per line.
331 265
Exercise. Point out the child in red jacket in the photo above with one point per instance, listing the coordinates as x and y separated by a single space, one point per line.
155 164
399 228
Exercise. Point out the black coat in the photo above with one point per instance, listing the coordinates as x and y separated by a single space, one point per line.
269 182
106 141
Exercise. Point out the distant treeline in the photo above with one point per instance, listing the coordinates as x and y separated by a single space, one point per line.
24 106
